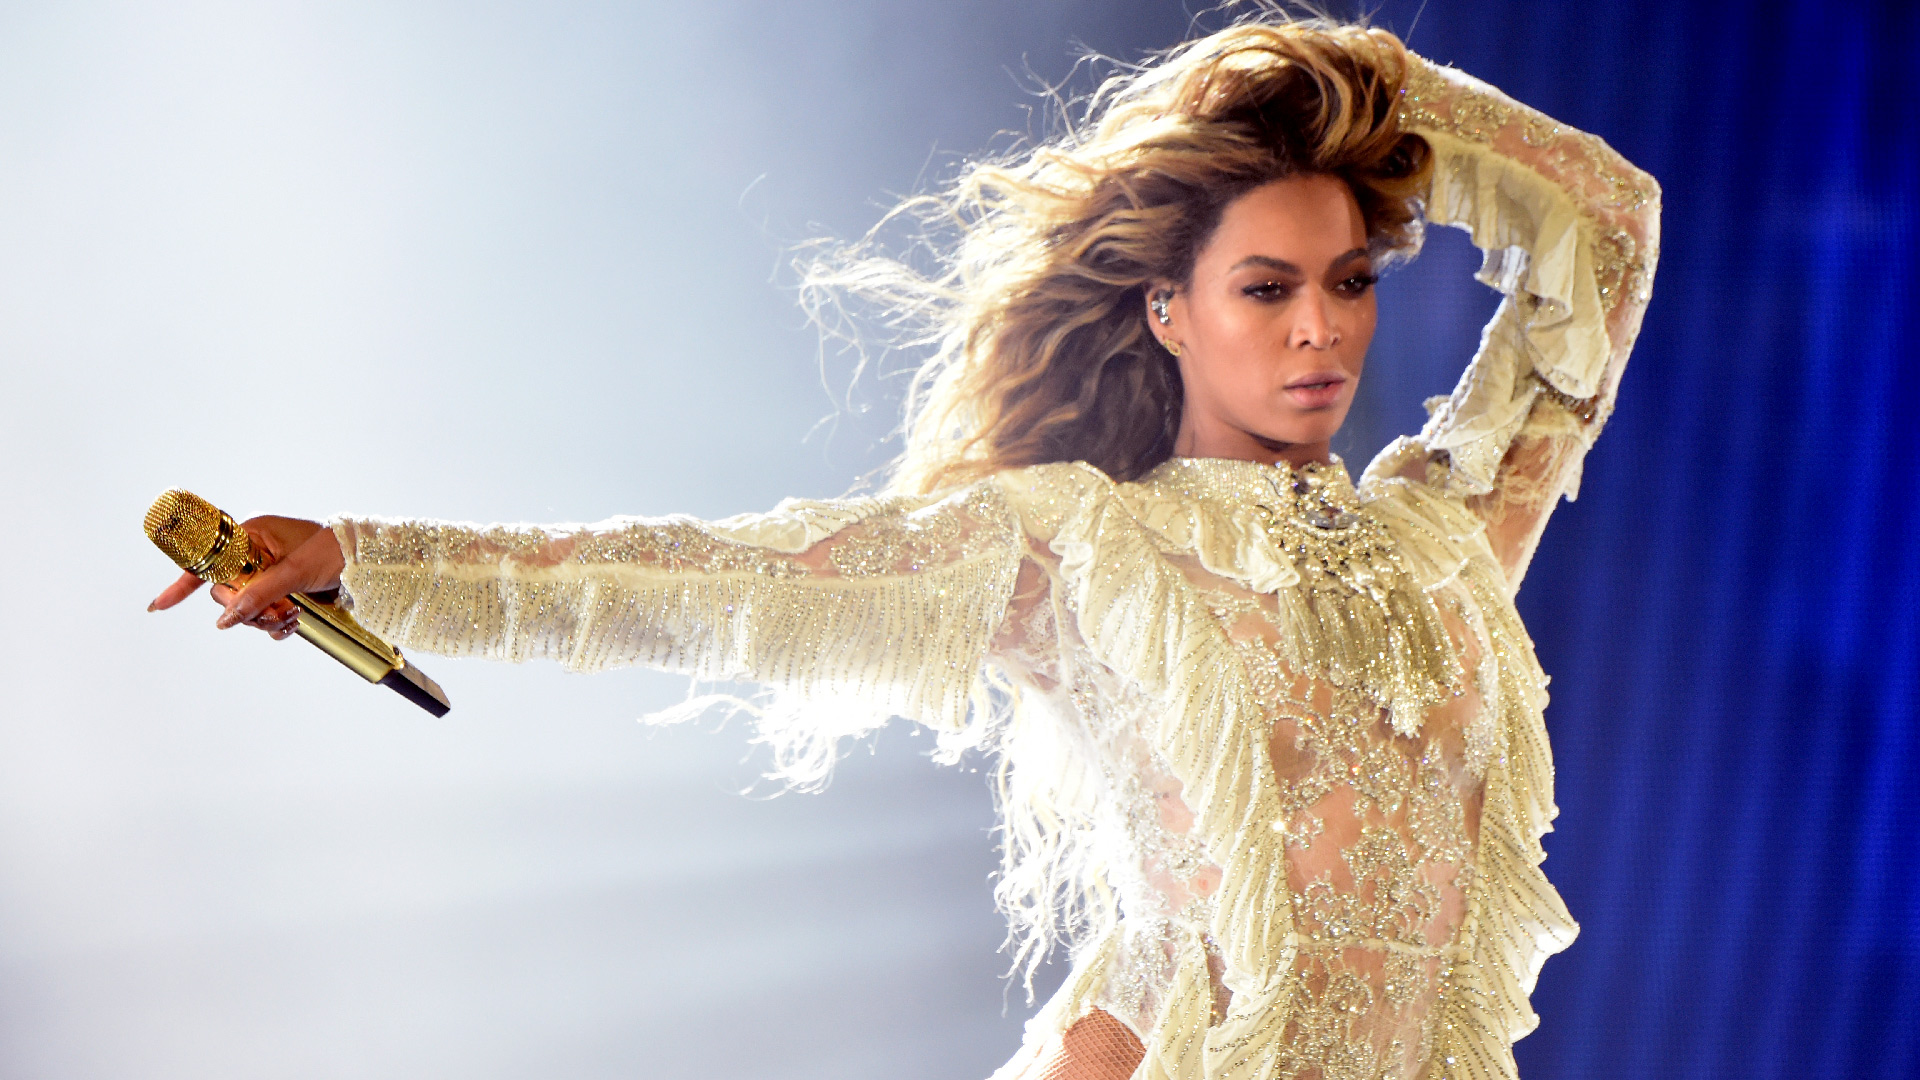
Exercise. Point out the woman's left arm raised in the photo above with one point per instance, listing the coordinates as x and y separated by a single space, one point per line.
1570 232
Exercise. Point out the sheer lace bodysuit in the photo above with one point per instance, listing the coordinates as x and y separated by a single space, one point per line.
1281 733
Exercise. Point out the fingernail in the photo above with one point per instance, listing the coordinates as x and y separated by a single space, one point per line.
150 607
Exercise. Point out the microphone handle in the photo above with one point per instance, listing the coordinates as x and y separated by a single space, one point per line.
336 633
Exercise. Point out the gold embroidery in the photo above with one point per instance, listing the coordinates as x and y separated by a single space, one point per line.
1586 410
905 543
682 547
1372 915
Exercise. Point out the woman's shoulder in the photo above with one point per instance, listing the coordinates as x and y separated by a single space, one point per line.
1059 492
1070 477
1200 508
1408 492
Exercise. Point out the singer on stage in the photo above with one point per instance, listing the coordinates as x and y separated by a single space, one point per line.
1275 760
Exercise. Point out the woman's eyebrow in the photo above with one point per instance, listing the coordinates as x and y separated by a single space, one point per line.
1282 266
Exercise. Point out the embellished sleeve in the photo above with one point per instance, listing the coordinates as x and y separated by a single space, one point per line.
888 605
1571 234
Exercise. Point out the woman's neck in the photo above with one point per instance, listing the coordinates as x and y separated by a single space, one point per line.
1241 445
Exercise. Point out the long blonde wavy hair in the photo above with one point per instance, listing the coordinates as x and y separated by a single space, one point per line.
1035 316
1035 312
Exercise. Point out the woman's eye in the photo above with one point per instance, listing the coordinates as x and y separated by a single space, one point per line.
1359 283
1268 290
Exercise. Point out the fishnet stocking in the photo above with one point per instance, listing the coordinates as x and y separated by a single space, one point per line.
1096 1047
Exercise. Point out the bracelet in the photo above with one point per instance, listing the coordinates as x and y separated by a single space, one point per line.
1584 409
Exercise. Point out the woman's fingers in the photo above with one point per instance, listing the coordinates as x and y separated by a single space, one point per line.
278 619
182 587
261 592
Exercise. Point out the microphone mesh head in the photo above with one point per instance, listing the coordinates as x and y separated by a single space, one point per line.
199 537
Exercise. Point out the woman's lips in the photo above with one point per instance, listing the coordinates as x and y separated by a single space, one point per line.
1316 391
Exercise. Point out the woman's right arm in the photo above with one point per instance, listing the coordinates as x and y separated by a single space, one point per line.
892 602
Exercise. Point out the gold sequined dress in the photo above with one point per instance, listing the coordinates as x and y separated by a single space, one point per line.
1291 726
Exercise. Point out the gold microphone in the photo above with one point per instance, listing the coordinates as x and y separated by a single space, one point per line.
205 541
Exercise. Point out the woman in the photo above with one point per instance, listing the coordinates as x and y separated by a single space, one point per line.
1272 745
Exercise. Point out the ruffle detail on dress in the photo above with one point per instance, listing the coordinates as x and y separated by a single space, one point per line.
1226 537
1140 616
1552 324
1178 1047
1516 918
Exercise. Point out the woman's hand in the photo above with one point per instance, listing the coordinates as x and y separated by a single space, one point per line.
298 555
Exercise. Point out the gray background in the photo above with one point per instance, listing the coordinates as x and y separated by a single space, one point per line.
489 262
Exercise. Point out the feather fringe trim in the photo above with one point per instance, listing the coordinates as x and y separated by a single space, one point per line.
910 645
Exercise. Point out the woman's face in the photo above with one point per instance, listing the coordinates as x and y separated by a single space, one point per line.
1273 328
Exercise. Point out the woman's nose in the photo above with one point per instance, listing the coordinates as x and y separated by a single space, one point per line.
1313 325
